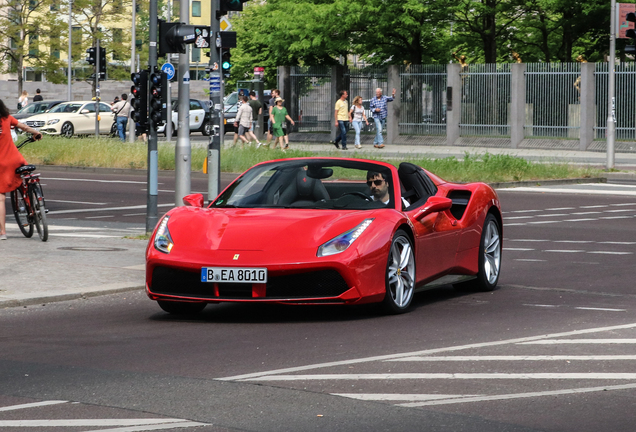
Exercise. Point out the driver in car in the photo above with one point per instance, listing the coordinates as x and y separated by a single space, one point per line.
379 185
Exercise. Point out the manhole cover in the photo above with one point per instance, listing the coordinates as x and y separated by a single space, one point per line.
92 249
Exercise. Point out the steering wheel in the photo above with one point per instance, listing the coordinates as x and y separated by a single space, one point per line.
358 194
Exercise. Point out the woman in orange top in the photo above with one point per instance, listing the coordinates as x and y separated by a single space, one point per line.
10 160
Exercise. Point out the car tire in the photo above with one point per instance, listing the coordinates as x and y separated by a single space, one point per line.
174 131
400 274
181 308
206 130
67 130
490 247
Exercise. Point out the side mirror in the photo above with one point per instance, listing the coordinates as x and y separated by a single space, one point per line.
193 200
434 205
84 111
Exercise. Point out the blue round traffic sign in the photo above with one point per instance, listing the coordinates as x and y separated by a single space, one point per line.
168 69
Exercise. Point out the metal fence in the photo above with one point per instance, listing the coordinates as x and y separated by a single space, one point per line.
625 101
553 106
311 87
423 99
485 100
363 82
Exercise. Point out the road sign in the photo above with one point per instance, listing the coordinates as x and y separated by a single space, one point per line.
225 24
168 68
622 25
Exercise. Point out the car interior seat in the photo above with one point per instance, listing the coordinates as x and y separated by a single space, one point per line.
303 190
413 190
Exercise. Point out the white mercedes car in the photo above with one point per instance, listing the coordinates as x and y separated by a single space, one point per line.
73 118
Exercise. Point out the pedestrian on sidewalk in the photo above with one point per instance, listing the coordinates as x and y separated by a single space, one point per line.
271 104
10 160
378 108
38 97
23 100
244 120
257 109
279 126
356 117
238 107
341 116
122 112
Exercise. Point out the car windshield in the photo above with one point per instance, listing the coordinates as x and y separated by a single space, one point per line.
27 109
231 99
66 108
311 183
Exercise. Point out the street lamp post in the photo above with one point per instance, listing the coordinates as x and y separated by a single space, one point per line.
131 124
69 93
611 99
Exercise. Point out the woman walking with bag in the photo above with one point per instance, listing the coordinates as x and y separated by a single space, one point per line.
356 116
279 115
23 100
10 160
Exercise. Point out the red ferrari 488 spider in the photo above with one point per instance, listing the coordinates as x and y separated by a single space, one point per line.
325 231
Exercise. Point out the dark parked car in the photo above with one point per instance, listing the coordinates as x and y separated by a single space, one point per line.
35 108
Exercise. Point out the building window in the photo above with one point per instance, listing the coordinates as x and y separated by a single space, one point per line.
196 8
196 55
33 44
33 4
55 6
77 36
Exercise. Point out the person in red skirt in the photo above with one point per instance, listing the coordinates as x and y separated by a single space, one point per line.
10 160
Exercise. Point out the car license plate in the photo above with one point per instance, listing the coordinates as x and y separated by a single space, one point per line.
234 275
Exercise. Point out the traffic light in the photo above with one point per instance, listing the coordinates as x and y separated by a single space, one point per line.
158 97
91 56
173 37
226 6
102 60
631 33
139 103
226 62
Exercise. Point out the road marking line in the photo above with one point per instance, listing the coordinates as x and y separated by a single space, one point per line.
451 376
521 395
579 220
617 243
99 217
542 189
519 217
563 251
425 352
135 214
614 185
517 249
618 211
74 202
528 240
601 309
529 260
586 213
572 241
516 358
579 341
616 217
525 211
97 181
106 209
398 397
541 305
545 222
560 208
32 405
553 215
623 204
184 424
86 422
593 206
513 224
611 253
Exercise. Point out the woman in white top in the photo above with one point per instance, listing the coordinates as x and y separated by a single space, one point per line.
356 117
23 100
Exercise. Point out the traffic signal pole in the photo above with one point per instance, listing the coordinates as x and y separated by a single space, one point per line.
153 164
97 58
216 102
182 148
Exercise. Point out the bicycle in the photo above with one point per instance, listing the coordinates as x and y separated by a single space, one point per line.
28 201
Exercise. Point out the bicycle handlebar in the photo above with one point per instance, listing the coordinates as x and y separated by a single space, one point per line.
25 142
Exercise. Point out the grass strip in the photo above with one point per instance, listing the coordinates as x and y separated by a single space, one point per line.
111 153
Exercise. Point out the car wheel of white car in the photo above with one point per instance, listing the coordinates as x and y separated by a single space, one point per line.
67 130
207 128
174 131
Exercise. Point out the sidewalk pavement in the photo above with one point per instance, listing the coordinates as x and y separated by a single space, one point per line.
75 262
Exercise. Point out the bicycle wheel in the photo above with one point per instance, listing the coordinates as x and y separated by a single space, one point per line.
39 212
21 212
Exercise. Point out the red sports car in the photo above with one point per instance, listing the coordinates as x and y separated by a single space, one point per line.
325 231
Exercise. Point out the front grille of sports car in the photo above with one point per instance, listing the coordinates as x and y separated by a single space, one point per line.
35 123
316 284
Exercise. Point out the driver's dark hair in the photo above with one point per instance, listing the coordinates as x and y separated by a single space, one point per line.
4 111
371 174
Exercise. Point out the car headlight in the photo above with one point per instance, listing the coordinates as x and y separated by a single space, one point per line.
163 240
52 122
344 240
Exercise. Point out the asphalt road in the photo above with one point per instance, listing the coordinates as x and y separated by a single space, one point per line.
551 350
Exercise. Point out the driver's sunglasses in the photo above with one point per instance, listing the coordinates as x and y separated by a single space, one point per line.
375 182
